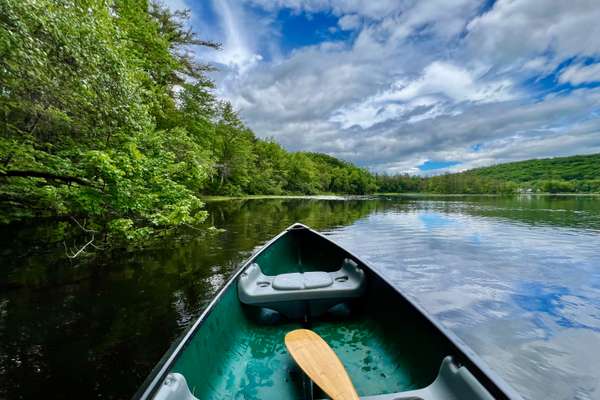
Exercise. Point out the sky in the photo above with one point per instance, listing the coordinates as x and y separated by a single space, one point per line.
408 86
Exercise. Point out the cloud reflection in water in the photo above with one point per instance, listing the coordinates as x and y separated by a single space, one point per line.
525 297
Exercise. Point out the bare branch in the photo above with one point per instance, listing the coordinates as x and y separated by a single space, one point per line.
78 252
97 247
83 228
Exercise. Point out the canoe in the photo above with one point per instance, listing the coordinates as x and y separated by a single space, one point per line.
389 346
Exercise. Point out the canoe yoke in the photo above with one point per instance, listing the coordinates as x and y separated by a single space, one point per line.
291 293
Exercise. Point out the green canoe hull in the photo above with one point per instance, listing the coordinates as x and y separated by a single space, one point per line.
387 343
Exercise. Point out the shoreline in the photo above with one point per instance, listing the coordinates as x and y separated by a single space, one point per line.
329 196
213 198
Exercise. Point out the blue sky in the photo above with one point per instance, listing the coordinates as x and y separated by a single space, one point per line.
411 86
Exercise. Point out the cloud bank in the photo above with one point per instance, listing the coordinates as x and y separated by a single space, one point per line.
393 84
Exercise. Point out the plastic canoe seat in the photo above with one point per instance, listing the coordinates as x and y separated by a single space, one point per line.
276 292
299 281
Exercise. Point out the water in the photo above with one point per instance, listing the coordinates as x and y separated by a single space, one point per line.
517 279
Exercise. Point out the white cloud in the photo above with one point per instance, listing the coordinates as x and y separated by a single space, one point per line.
510 131
349 22
518 30
578 74
423 97
451 81
237 51
418 81
440 18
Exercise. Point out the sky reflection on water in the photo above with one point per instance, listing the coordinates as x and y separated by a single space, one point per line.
526 298
516 278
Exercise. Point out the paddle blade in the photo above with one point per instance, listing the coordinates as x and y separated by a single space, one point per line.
314 356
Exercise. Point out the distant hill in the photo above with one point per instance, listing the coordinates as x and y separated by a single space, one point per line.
559 168
575 174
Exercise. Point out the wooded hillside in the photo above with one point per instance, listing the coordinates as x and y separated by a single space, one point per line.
550 175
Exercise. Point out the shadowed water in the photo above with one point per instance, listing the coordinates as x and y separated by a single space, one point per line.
517 279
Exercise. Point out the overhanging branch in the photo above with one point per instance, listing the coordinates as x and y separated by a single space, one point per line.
46 175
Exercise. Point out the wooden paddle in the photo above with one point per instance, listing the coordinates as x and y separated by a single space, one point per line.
314 356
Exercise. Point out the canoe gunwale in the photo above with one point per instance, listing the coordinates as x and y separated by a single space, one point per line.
160 371
482 372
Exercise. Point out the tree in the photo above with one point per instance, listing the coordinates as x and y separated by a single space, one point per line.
82 87
232 149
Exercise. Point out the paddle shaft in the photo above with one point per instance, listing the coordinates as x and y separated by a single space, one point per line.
307 383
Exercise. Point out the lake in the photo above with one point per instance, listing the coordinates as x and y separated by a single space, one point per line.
515 278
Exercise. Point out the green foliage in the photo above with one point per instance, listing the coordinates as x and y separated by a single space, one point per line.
577 174
551 175
105 117
270 169
574 168
403 183
337 176
463 183
83 84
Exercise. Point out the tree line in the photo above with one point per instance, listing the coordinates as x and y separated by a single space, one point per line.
460 183
471 182
108 120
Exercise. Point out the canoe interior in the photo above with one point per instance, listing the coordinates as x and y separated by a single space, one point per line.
239 351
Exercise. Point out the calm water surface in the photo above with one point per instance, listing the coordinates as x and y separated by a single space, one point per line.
517 279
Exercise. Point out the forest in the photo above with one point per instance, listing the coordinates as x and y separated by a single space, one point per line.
110 122
573 174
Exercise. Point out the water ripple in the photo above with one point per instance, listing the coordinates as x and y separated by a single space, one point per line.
525 296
